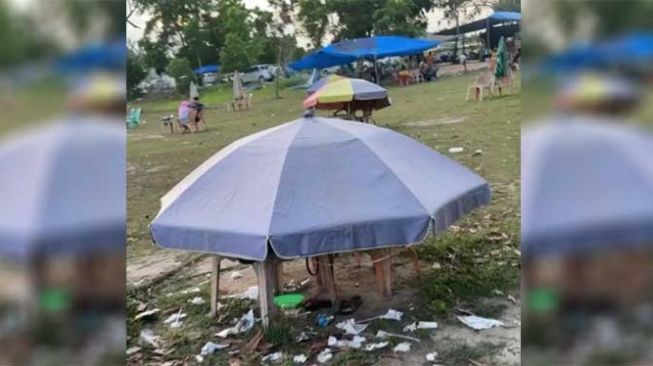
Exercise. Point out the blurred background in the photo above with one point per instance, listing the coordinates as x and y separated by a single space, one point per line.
587 182
62 182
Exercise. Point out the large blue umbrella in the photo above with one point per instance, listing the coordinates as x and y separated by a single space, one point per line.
62 190
316 186
586 186
369 48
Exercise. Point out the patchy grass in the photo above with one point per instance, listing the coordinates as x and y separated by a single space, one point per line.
462 354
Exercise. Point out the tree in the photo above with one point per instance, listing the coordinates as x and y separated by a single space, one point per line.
403 17
237 54
179 68
458 11
507 5
314 18
155 54
136 72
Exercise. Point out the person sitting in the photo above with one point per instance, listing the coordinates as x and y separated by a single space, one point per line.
184 114
404 76
198 115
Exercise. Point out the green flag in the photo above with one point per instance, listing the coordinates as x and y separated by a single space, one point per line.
502 59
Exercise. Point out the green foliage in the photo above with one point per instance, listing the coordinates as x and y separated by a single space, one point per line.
155 54
179 68
237 54
314 16
612 17
19 42
403 17
136 72
507 5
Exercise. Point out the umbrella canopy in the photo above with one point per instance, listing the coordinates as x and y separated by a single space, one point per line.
335 94
596 92
586 185
502 59
239 92
207 69
193 91
320 83
314 186
63 190
370 48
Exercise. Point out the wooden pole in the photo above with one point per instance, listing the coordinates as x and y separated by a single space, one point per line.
265 273
215 284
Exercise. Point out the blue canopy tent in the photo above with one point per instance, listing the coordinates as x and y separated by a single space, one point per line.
370 48
207 69
496 19
94 56
632 50
587 185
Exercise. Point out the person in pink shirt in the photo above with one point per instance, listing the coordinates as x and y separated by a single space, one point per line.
183 113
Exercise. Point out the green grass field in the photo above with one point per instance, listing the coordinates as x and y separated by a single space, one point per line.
434 113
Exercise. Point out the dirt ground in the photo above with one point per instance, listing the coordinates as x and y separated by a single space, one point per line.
501 344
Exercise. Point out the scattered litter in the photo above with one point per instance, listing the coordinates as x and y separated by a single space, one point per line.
323 320
236 275
302 337
191 290
273 357
402 347
383 334
436 265
456 149
197 301
299 359
174 320
512 299
392 315
146 314
199 358
431 356
427 325
478 323
355 343
410 327
225 332
250 294
245 323
132 350
325 355
375 346
147 337
478 152
210 348
350 327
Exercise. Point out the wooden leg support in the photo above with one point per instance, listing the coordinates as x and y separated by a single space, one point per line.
266 274
327 278
383 269
215 284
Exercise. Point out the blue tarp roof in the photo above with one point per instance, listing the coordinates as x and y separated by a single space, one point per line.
350 50
95 56
206 69
497 17
634 48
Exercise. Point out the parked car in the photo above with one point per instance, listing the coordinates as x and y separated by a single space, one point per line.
445 57
258 73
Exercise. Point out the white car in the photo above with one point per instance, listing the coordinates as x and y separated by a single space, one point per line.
258 73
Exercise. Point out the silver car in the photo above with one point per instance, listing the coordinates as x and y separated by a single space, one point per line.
258 73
